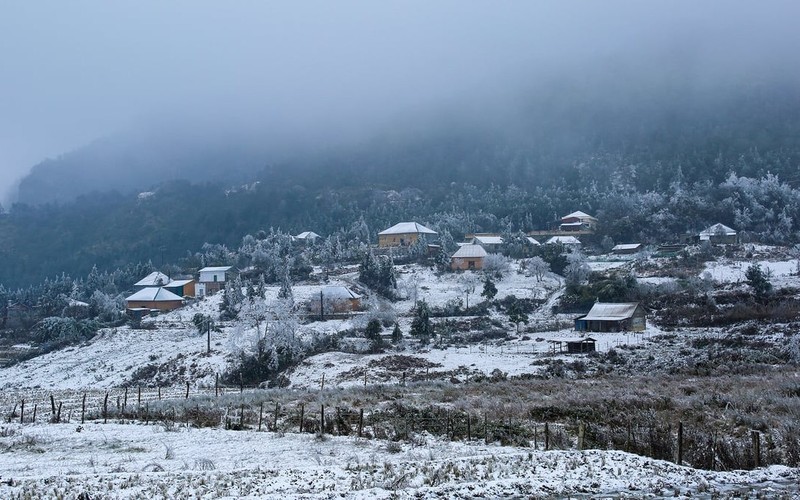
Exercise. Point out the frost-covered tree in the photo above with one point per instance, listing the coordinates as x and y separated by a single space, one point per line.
467 283
758 281
537 267
421 326
577 270
489 289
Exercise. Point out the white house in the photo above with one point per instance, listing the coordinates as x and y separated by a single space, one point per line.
212 279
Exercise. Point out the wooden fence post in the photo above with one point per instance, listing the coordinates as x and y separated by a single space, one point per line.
139 398
187 390
275 419
159 393
322 383
52 409
302 416
469 427
485 429
125 400
365 378
241 417
680 443
338 421
260 415
322 419
105 409
58 412
546 436
22 412
360 421
34 413
756 437
216 385
83 408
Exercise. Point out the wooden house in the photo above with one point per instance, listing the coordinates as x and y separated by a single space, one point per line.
613 317
719 234
182 288
212 280
154 298
468 257
578 221
404 234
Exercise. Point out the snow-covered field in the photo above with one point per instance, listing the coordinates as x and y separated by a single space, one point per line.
156 461
780 273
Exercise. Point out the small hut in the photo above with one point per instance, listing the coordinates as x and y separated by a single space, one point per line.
613 317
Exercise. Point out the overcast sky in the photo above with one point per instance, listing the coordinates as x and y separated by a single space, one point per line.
74 71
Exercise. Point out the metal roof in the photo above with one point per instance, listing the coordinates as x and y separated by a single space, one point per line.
627 246
153 279
339 293
470 252
153 294
408 228
178 283
488 240
717 230
533 241
566 240
611 311
215 269
307 235
578 214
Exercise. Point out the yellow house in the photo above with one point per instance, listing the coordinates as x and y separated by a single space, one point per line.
403 234
468 257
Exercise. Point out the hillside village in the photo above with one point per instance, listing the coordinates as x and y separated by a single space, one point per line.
550 311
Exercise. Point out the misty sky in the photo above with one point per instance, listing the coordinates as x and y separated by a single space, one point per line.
75 71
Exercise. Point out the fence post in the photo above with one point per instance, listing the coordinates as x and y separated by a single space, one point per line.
535 437
275 419
105 409
546 436
159 393
302 416
83 408
58 413
241 416
22 412
322 383
187 390
360 421
338 421
322 419
125 400
756 437
581 435
469 427
485 429
34 413
139 398
52 409
216 385
260 415
680 443
365 378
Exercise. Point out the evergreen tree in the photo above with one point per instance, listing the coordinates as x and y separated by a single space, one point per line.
758 281
421 327
489 289
397 335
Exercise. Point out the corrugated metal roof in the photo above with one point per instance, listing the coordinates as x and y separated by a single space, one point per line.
611 311
153 294
578 214
718 229
627 246
488 240
153 279
408 228
215 269
307 235
566 240
178 283
339 293
533 241
470 252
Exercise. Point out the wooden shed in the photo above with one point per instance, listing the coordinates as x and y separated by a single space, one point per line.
613 317
573 345
182 288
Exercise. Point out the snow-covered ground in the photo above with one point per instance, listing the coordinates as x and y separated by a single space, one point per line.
157 461
781 273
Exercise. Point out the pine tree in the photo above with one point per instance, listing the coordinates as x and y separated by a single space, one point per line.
758 281
489 289
421 325
397 335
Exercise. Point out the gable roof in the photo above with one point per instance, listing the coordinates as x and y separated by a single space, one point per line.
488 240
408 228
175 283
153 279
153 294
533 241
469 252
718 229
578 215
627 246
611 311
216 269
338 292
305 235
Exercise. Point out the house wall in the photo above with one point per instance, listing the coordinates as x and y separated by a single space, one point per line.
161 305
212 276
396 240
724 239
465 263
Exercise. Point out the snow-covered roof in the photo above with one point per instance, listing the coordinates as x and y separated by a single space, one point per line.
153 279
217 269
573 339
470 252
153 294
533 241
77 303
488 240
611 311
571 224
175 283
408 228
716 230
578 215
306 235
565 240
627 246
339 293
